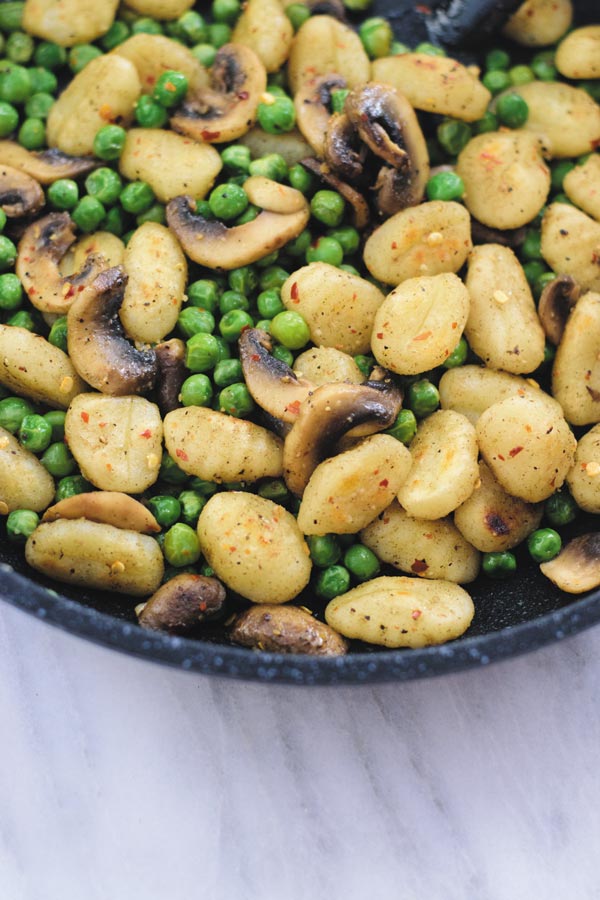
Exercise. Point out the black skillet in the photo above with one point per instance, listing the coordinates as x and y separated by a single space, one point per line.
512 617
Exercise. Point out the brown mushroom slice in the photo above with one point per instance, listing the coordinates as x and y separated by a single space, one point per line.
41 248
327 415
483 234
170 357
342 148
108 507
226 110
556 302
273 384
182 603
361 214
577 567
46 166
211 243
313 108
333 8
20 194
286 629
98 348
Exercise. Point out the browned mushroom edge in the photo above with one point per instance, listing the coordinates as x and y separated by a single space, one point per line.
97 345
272 383
182 604
577 567
360 207
333 8
286 629
211 243
483 234
227 109
42 246
556 302
313 108
20 194
343 150
170 357
328 414
46 166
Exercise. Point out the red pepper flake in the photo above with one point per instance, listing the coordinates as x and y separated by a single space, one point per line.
416 614
106 112
417 567
515 451
380 335
86 417
202 606
501 457
146 434
181 454
70 292
384 483
394 245
294 291
595 144
423 336
424 10
209 135
293 408
243 95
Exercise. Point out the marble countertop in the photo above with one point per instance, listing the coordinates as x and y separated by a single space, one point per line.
121 780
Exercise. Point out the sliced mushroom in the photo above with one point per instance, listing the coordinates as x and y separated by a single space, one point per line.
226 110
361 214
108 507
97 344
286 629
328 414
556 302
333 8
483 234
342 148
313 108
182 604
46 166
170 356
386 122
20 194
274 386
43 245
211 243
577 567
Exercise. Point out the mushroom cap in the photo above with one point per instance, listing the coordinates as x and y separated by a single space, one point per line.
272 383
342 148
556 302
286 629
182 603
312 103
577 567
98 348
20 194
46 166
227 109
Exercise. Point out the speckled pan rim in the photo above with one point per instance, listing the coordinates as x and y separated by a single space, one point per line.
236 662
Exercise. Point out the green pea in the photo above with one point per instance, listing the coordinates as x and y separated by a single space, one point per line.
269 303
11 291
326 250
235 399
559 170
512 110
181 546
560 509
227 371
81 55
39 105
49 56
453 135
277 116
497 59
8 253
196 391
283 354
219 33
56 418
233 323
376 36
592 88
405 427
15 84
32 134
541 282
520 75
19 47
12 412
273 278
533 269
496 81
9 118
300 178
272 166
544 544
3 219
347 237
206 488
458 357
170 89
58 334
11 16
445 186
204 293
361 562
289 328
202 352
346 267
236 157
488 122
116 34
232 300
149 113
137 197
109 142
300 245
156 213
358 5
35 433
88 214
170 471
549 353
57 460
63 194
328 207
365 363
228 201
500 564
205 53
23 319
562 198
165 509
324 549
146 25
20 524
114 221
223 348
531 246
542 66
226 10
192 504
195 320
297 13
105 185
248 215
274 489
430 49
332 581
243 280
423 398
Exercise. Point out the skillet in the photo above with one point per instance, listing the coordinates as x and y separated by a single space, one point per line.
512 617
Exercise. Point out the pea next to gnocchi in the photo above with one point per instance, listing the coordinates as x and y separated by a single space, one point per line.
298 325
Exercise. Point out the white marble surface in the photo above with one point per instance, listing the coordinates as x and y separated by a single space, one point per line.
121 780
